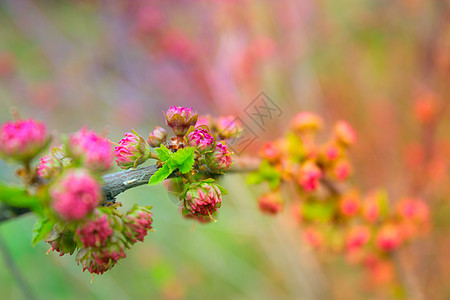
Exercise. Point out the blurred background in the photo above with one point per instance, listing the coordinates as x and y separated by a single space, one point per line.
115 65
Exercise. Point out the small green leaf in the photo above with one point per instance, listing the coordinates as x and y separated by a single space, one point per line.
164 154
41 229
160 175
18 197
222 189
183 160
267 173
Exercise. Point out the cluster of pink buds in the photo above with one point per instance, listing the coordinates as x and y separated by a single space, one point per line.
22 140
357 225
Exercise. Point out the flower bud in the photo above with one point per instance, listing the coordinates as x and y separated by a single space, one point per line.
342 170
414 210
201 140
344 133
137 222
61 240
131 151
270 203
75 195
388 238
180 119
91 149
220 159
228 127
95 233
48 166
306 122
157 137
350 204
272 152
202 198
357 237
309 176
22 140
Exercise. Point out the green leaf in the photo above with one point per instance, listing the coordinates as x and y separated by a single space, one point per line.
18 197
41 229
183 160
164 154
267 173
318 211
160 175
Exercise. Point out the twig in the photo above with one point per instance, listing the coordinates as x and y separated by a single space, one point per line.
113 185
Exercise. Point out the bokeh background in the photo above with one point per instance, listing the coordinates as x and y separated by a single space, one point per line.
115 65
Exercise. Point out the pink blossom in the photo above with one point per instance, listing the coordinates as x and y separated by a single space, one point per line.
47 166
22 139
200 139
157 137
220 159
270 203
357 237
271 151
138 222
342 170
413 210
388 238
92 149
131 151
96 232
75 195
180 119
309 176
313 237
345 134
228 127
349 205
202 199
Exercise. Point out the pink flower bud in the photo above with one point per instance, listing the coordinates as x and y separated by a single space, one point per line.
389 238
270 203
202 198
331 152
137 222
306 121
204 120
131 151
75 195
371 207
349 205
157 137
357 237
272 152
342 170
180 119
344 133
91 149
313 237
413 210
99 260
220 159
309 176
199 218
48 166
23 139
228 127
200 139
95 233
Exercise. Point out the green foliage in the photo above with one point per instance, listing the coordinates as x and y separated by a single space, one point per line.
41 229
318 211
183 160
265 173
18 197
